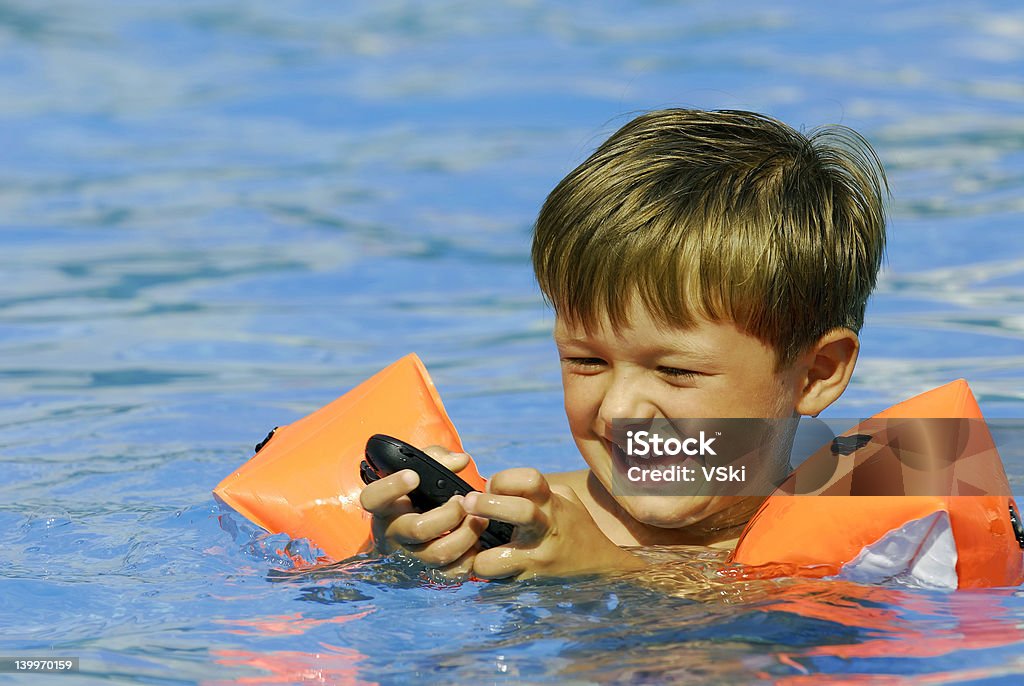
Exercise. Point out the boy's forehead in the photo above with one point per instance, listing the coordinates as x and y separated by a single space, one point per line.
637 319
699 340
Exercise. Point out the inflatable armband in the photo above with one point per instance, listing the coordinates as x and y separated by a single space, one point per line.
971 538
304 478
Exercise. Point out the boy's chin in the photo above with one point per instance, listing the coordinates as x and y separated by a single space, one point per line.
670 512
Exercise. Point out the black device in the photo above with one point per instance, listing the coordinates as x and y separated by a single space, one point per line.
386 455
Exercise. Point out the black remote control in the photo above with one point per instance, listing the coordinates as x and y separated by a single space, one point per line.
386 455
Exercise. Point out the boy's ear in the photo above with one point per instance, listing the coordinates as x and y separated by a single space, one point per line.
827 368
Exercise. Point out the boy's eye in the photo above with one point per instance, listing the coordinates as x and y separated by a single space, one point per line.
676 373
585 362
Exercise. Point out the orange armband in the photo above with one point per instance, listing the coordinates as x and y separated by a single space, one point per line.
304 479
969 538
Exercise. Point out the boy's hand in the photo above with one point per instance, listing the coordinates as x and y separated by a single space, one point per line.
444 538
554 536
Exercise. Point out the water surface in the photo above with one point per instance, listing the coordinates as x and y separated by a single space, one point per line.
217 216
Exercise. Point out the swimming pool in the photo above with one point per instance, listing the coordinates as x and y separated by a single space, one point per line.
217 216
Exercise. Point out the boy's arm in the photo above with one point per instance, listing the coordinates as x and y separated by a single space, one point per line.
555 534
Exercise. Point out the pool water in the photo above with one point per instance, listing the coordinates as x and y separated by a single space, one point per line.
218 216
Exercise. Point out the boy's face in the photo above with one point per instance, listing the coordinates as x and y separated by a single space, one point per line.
646 371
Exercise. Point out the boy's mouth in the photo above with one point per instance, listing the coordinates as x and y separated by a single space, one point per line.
615 451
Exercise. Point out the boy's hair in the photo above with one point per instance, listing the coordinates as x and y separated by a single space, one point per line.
724 214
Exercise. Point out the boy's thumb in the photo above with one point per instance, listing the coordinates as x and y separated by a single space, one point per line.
453 461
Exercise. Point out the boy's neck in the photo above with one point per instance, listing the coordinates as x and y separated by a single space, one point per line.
720 530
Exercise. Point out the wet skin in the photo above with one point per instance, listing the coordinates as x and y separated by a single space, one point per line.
641 370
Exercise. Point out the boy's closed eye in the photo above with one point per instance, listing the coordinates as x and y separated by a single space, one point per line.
585 363
679 374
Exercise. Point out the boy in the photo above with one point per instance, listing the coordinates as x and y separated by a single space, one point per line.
700 264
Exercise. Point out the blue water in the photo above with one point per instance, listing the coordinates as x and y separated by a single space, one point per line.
219 215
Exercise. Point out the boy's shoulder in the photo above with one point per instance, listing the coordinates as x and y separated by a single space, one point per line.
609 517
576 480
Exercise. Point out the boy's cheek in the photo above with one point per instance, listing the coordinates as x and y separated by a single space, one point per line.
582 416
597 457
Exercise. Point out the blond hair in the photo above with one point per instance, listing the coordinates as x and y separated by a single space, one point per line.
724 215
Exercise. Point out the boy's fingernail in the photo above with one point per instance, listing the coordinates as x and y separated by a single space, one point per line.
469 502
410 478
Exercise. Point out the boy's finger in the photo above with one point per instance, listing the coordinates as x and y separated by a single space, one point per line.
377 498
380 523
453 461
531 521
462 567
524 482
499 563
452 547
417 528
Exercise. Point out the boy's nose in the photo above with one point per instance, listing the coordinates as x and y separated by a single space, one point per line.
624 399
